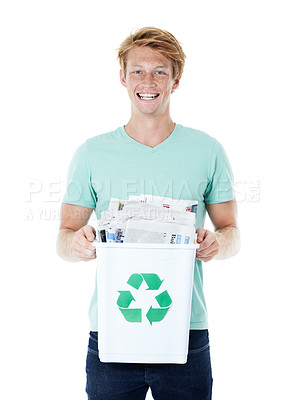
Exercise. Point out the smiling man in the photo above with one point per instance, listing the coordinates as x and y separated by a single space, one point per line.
151 155
148 77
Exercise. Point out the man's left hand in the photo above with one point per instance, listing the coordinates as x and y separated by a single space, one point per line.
209 245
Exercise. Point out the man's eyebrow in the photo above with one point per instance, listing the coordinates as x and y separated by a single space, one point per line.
158 66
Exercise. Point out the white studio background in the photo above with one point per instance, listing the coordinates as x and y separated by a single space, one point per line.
59 86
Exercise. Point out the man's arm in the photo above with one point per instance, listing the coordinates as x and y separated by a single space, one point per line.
225 241
75 236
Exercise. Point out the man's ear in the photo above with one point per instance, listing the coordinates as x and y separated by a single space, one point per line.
175 84
122 79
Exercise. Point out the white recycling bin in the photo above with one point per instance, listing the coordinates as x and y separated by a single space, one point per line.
144 301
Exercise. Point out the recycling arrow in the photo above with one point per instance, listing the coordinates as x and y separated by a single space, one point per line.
135 314
130 314
152 280
125 298
157 314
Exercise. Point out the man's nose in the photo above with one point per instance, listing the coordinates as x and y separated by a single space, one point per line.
149 79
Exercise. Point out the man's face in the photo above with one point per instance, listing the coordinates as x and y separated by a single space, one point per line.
148 73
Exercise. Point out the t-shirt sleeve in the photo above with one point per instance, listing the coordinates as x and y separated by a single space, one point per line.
79 189
220 187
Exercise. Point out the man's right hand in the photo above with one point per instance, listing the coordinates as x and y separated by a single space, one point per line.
82 243
75 237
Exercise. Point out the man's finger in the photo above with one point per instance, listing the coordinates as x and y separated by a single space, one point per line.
207 247
209 238
84 243
89 233
81 244
200 234
207 252
84 255
207 257
83 250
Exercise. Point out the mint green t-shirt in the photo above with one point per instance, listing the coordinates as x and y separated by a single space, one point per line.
189 164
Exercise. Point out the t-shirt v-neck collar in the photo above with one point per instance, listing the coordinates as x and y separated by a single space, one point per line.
148 148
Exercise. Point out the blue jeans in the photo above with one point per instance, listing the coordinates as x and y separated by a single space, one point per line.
130 381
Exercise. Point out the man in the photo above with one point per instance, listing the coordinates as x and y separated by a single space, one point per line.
151 154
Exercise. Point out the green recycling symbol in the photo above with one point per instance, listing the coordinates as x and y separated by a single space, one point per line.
135 314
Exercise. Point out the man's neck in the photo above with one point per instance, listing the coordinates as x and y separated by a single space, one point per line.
150 131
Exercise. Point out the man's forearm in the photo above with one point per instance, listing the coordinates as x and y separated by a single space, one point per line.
63 244
229 241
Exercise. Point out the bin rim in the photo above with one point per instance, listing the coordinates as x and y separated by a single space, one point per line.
146 245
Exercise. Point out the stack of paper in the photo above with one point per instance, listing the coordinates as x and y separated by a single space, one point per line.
149 219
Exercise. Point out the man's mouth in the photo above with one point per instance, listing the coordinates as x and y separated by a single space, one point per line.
147 96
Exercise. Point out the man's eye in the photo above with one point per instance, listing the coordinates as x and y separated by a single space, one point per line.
160 72
136 72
